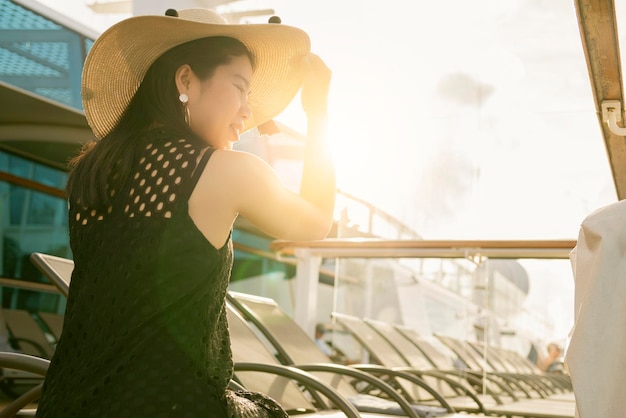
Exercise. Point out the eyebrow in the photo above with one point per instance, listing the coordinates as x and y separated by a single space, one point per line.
245 80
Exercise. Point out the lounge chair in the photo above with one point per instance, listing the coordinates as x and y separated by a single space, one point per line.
554 385
526 383
259 377
294 347
520 384
25 333
58 270
39 366
29 364
27 337
54 322
413 357
247 346
383 351
518 364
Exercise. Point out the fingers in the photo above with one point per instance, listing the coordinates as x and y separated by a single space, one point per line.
315 67
315 85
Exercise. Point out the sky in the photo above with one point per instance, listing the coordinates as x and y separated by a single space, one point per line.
466 120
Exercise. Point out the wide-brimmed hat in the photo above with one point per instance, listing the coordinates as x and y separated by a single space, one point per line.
120 57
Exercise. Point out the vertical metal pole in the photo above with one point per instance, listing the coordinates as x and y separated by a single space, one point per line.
484 318
307 277
488 310
368 295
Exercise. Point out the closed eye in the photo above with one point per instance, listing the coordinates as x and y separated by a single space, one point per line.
242 90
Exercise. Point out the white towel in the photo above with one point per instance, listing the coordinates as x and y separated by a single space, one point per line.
596 356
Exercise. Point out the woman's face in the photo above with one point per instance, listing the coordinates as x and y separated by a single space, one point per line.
218 106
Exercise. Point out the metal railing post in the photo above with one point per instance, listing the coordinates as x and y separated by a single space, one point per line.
307 277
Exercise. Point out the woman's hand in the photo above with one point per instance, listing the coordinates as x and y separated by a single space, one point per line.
315 87
251 188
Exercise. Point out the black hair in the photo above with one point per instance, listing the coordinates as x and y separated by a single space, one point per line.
107 163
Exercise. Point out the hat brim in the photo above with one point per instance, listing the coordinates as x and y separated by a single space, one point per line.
121 56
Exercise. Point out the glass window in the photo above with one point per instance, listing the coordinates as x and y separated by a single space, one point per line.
41 56
33 221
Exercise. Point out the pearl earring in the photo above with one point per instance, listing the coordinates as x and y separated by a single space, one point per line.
184 99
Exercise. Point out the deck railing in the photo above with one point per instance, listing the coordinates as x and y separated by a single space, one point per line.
309 255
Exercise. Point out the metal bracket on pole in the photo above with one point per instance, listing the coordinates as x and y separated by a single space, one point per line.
307 278
611 114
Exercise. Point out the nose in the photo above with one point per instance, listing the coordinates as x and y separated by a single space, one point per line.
245 111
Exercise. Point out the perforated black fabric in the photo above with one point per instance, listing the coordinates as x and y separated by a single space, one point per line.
145 332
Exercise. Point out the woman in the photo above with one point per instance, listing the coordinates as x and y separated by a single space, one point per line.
152 205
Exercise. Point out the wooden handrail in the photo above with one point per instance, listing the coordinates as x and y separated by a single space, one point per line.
32 185
378 248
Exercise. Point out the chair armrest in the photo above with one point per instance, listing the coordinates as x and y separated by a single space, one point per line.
379 370
362 376
476 378
24 362
11 410
234 385
523 383
306 379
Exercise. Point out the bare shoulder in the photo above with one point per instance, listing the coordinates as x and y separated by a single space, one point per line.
233 175
235 159
235 165
239 183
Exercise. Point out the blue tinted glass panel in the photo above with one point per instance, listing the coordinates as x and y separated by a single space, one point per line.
46 210
14 16
19 167
49 176
16 195
41 56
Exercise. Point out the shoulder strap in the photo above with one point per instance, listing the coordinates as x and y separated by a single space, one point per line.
197 172
200 166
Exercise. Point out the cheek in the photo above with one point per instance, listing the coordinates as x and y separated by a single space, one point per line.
206 115
208 111
219 106
212 120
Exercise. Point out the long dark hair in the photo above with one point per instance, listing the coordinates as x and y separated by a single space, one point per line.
106 164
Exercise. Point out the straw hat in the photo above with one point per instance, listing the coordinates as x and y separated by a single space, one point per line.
120 57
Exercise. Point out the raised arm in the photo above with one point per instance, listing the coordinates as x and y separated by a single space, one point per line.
318 178
241 183
309 214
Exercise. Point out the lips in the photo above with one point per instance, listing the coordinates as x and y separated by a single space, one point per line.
237 127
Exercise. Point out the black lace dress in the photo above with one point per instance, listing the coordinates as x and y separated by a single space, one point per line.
145 331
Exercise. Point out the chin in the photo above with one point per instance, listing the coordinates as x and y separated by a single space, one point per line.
225 140
225 144
216 143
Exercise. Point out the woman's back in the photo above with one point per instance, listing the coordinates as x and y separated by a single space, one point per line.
145 330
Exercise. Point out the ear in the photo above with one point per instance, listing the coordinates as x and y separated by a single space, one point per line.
183 78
